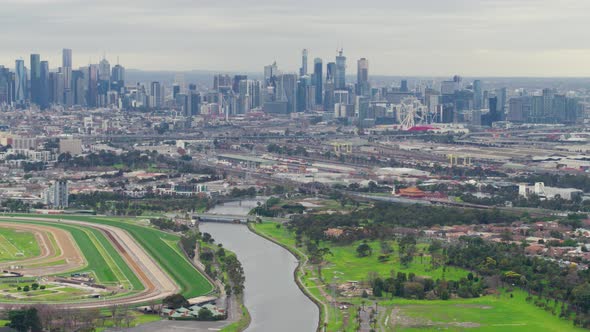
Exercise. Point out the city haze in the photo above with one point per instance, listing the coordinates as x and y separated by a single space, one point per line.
426 38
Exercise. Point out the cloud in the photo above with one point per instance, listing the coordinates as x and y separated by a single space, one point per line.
420 37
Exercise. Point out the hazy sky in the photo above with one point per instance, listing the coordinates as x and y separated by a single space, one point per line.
409 37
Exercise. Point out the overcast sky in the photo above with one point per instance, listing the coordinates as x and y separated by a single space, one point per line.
409 37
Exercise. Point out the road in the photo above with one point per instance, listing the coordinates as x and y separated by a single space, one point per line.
173 325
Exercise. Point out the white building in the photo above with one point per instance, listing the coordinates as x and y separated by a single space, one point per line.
540 190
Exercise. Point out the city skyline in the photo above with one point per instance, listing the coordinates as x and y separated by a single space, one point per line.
426 39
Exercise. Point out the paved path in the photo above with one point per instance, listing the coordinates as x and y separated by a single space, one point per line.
171 325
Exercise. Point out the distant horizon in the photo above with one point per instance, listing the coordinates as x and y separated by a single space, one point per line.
427 38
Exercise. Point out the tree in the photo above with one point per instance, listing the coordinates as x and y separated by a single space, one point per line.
364 250
581 295
175 301
205 314
24 320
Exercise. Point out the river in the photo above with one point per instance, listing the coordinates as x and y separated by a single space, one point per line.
271 295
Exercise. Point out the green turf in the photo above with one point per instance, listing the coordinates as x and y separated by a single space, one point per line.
16 244
89 241
156 243
345 265
489 313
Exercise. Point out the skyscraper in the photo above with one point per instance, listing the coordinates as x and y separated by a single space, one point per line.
236 82
44 85
287 91
318 80
477 95
35 77
270 72
303 69
340 73
6 86
118 78
20 82
66 69
104 70
155 95
362 77
92 91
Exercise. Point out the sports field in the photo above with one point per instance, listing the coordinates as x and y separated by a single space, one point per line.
136 263
17 244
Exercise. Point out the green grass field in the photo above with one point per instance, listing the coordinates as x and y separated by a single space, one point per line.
489 313
103 260
345 265
17 245
156 243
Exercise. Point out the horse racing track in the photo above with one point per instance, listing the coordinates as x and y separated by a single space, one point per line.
86 262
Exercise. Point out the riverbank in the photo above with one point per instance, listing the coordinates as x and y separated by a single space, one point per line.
384 313
297 276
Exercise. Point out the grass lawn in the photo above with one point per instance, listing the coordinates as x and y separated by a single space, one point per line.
16 244
156 243
101 256
345 264
489 313
241 324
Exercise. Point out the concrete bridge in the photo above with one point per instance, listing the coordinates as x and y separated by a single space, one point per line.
232 219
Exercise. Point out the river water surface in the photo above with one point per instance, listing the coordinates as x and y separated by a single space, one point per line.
271 295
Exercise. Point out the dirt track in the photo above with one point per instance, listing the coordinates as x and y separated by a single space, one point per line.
68 251
158 284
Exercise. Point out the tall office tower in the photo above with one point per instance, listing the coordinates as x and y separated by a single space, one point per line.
236 82
155 95
104 70
6 85
66 69
303 96
318 80
175 91
245 96
501 93
404 86
477 95
287 91
44 85
221 82
303 69
548 95
118 78
340 73
78 87
362 78
56 87
35 77
330 86
330 70
270 73
104 81
20 82
92 91
195 102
